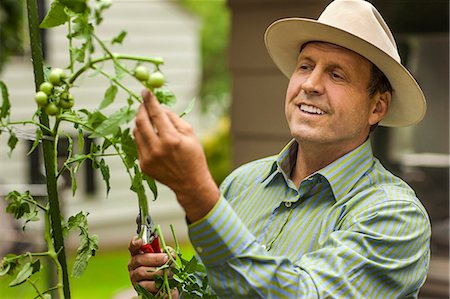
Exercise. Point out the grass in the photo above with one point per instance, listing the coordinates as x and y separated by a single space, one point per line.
106 276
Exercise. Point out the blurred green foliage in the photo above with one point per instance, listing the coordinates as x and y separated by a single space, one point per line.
11 24
215 86
214 16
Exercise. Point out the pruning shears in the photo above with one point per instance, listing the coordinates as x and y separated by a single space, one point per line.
150 236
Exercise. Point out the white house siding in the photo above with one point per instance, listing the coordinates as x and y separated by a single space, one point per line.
155 28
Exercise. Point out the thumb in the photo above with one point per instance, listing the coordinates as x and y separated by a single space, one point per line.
135 246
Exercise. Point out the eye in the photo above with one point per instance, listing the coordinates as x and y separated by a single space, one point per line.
337 76
304 67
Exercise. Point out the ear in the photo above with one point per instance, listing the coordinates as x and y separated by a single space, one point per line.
379 106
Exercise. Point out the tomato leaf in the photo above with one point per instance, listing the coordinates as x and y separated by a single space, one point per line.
87 249
101 6
129 148
23 275
79 54
138 188
189 108
6 105
73 182
96 119
82 27
12 141
39 136
165 96
104 169
143 292
88 243
112 124
8 264
18 203
152 185
110 95
119 69
36 266
77 6
56 15
80 140
119 38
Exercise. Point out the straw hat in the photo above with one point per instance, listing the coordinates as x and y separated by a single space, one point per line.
358 26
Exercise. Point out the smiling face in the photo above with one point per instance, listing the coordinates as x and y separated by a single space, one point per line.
327 102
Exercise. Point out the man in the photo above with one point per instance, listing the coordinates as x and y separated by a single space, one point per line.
323 219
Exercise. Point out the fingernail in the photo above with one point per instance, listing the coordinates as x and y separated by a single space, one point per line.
165 258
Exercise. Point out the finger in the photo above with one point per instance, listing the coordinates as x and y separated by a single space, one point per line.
144 126
150 285
158 117
148 260
135 246
146 273
179 124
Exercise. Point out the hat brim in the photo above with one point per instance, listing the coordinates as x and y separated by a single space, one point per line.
283 40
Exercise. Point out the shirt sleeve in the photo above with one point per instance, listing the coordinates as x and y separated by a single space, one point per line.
380 252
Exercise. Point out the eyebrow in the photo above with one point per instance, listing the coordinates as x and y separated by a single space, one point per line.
329 65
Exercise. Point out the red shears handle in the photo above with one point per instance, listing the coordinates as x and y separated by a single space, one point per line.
152 247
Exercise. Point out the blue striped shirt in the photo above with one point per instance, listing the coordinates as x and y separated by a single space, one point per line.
350 230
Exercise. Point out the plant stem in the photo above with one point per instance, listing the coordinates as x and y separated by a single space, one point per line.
177 245
131 93
88 65
49 152
29 122
166 270
54 256
69 28
35 288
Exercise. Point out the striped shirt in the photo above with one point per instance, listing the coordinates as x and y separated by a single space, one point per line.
350 230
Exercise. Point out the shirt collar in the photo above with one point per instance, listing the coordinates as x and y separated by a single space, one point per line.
345 172
341 174
283 163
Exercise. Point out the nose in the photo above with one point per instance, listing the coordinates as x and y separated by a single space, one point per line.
313 83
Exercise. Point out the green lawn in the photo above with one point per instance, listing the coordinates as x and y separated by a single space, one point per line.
105 276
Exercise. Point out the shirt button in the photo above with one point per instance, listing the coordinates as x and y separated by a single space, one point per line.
288 204
264 247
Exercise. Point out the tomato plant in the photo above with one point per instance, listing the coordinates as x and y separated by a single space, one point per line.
112 134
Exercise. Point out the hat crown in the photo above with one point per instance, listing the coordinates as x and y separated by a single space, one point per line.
361 19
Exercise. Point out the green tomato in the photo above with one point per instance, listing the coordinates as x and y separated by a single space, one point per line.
141 73
56 76
51 109
156 79
66 101
46 87
41 98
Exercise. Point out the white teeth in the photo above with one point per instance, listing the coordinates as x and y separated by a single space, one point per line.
311 109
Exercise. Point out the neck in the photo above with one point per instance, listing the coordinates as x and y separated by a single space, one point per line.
311 158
